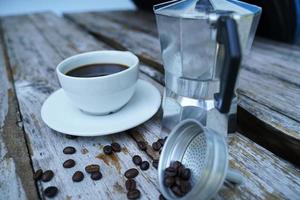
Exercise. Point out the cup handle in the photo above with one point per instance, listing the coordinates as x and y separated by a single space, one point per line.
227 35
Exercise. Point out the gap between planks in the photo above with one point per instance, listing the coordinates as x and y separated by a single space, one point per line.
18 183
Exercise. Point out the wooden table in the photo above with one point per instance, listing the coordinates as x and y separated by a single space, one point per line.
32 45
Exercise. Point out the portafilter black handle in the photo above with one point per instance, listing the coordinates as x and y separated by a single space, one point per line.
227 35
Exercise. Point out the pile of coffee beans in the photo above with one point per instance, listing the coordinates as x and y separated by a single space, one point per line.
137 160
177 178
130 184
114 147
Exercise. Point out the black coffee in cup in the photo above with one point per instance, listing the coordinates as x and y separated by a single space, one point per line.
96 70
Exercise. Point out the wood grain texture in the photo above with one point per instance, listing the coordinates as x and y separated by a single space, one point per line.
148 129
270 76
42 52
121 37
16 174
46 145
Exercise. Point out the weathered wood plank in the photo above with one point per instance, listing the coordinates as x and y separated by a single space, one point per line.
151 131
14 172
33 88
121 37
270 76
47 145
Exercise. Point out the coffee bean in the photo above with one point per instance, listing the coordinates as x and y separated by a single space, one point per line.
96 176
170 171
161 141
180 170
69 163
133 194
137 159
130 184
161 197
185 174
116 147
185 186
92 168
155 163
69 150
50 191
71 137
169 181
156 146
131 173
47 175
142 145
37 175
176 164
144 165
177 181
176 190
77 176
107 150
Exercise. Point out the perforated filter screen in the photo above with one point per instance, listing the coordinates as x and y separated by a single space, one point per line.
195 156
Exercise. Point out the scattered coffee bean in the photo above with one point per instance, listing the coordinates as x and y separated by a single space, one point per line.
130 184
161 197
170 171
155 163
77 176
92 168
107 150
37 175
116 147
71 137
142 145
169 181
177 191
69 163
69 150
156 146
131 173
185 186
144 165
47 175
96 176
185 174
133 194
137 159
50 191
161 141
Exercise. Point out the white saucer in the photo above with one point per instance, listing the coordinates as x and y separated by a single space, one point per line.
59 114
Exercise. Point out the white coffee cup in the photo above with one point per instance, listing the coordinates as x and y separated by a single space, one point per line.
104 94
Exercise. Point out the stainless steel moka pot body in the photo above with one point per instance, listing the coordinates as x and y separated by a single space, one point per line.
202 43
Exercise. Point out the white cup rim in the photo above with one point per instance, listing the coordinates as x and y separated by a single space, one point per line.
82 55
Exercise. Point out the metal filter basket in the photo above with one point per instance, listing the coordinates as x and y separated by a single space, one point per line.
202 150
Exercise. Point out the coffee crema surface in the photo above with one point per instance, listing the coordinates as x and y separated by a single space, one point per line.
96 70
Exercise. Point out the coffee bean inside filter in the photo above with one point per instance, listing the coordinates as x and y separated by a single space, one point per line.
205 153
